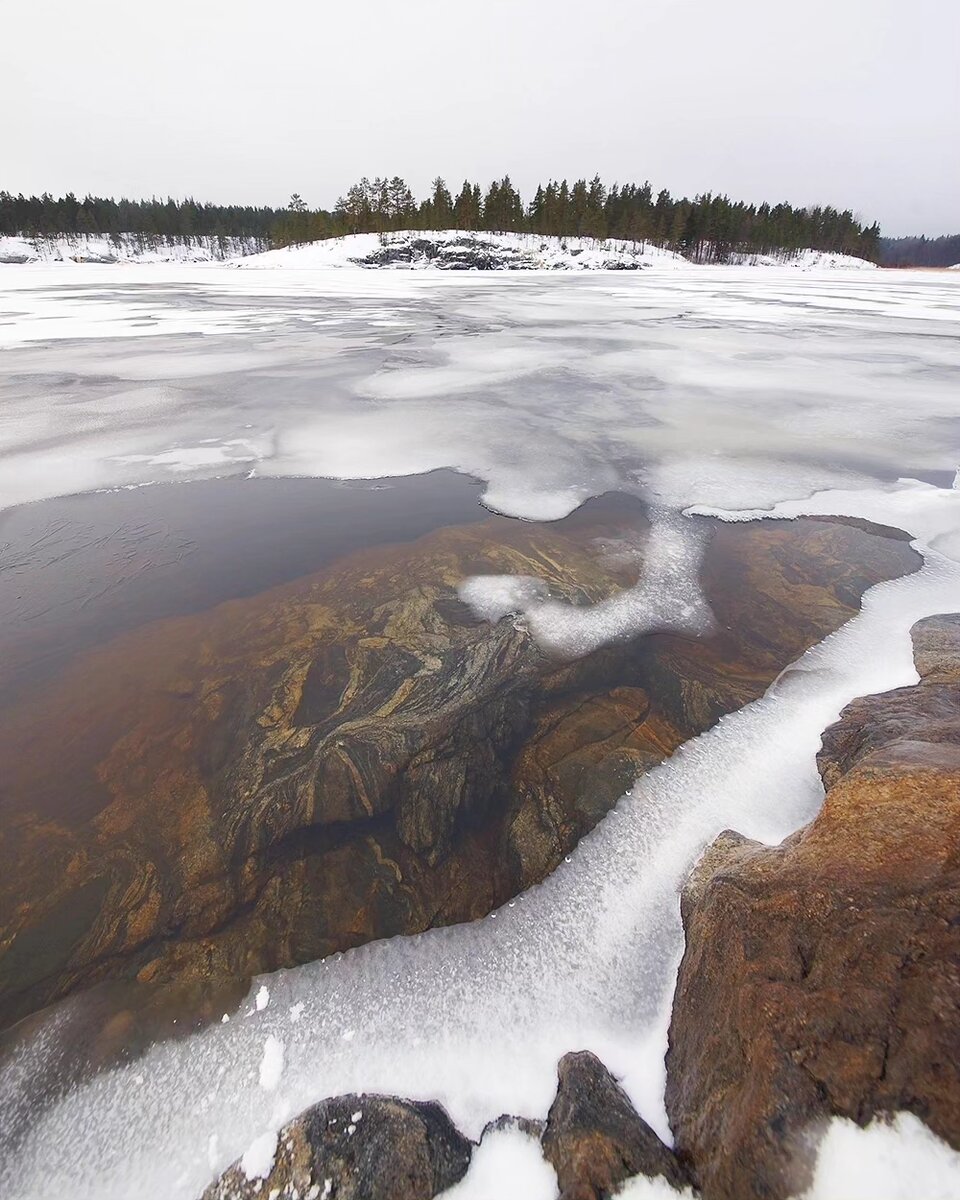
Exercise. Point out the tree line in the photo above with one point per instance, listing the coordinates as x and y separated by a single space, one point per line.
920 251
706 228
49 216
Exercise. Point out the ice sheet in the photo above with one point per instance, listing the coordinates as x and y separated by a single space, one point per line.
683 386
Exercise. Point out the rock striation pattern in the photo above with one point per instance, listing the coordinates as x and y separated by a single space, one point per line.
352 755
822 977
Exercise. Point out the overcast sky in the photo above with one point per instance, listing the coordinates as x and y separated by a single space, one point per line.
849 102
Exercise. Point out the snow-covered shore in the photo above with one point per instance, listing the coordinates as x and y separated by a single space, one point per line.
124 248
442 249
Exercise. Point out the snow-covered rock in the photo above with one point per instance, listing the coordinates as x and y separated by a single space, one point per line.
461 250
804 259
124 247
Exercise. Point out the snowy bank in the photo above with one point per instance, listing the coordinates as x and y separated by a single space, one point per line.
804 259
464 250
124 247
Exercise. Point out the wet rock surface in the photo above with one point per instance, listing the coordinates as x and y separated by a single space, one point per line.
353 755
594 1137
353 1148
822 977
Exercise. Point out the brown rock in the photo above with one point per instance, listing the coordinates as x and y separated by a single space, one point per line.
353 756
822 977
358 1148
595 1138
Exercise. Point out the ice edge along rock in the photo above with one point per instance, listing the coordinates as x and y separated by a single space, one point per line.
820 979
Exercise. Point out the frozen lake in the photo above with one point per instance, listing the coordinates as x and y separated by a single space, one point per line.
703 385
730 390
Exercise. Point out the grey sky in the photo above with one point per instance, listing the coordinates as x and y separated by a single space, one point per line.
850 102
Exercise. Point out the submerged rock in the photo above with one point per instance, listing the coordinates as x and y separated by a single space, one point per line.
352 1148
821 977
594 1137
353 755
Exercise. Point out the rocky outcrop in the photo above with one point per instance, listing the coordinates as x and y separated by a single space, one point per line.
352 1148
822 977
382 1148
466 251
353 755
594 1137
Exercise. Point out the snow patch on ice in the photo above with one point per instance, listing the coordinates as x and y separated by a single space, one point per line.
271 1064
667 596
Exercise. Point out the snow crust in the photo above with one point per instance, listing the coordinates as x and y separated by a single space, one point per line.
124 248
899 1160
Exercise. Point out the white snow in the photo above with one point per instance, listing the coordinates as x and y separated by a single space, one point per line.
441 248
681 386
804 260
506 1163
271 1063
124 248
642 1188
899 1160
262 998
667 596
258 1158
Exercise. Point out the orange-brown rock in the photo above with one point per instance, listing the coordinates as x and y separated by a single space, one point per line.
822 977
352 755
594 1137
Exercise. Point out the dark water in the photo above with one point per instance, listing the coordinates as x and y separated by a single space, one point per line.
79 570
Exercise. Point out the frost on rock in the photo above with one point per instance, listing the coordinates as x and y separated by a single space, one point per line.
257 1161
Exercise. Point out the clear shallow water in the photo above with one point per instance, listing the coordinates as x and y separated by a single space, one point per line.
78 570
723 389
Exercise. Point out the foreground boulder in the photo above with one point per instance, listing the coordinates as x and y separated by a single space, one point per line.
353 1148
822 977
594 1137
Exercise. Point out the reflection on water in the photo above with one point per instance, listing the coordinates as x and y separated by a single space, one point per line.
78 570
